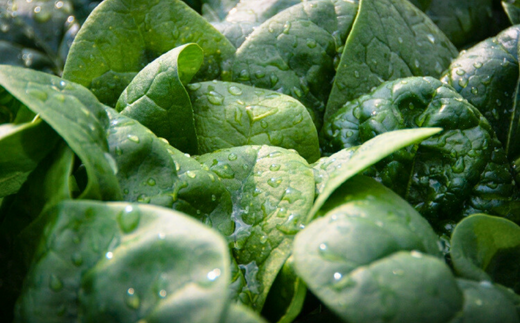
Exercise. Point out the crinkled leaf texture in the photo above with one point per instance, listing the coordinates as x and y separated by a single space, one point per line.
101 262
457 172
232 114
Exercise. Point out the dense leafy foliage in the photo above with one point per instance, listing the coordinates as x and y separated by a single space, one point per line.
259 161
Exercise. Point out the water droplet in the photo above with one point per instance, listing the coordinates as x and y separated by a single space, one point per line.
431 38
400 40
478 302
323 247
292 195
215 98
264 124
232 156
133 138
486 284
109 255
417 63
37 94
259 74
194 86
274 79
234 90
356 74
128 219
274 182
243 75
463 82
460 72
55 283
297 92
337 276
131 299
274 167
162 294
191 174
214 274
311 43
37 9
499 103
459 166
416 254
474 90
58 4
287 27
77 259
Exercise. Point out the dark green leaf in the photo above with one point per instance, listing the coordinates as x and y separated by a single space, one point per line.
457 172
94 263
389 39
75 114
333 171
512 8
272 191
156 97
487 248
121 37
294 52
230 114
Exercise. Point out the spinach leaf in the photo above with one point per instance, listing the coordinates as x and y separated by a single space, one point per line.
75 114
156 97
230 114
487 75
87 246
285 299
487 248
486 303
111 49
331 172
23 146
272 190
237 313
390 39
354 259
463 21
294 52
457 172
512 9
152 171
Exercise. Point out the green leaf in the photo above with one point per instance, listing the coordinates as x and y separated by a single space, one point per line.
285 299
22 146
487 248
94 263
237 313
512 9
457 172
333 171
120 38
75 114
255 12
294 52
272 190
231 114
390 39
487 75
151 171
235 32
156 97
486 303
464 21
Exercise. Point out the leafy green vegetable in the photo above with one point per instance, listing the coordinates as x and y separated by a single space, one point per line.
75 114
485 302
390 39
512 9
460 171
157 99
111 49
87 246
353 259
230 114
487 248
272 190
487 75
